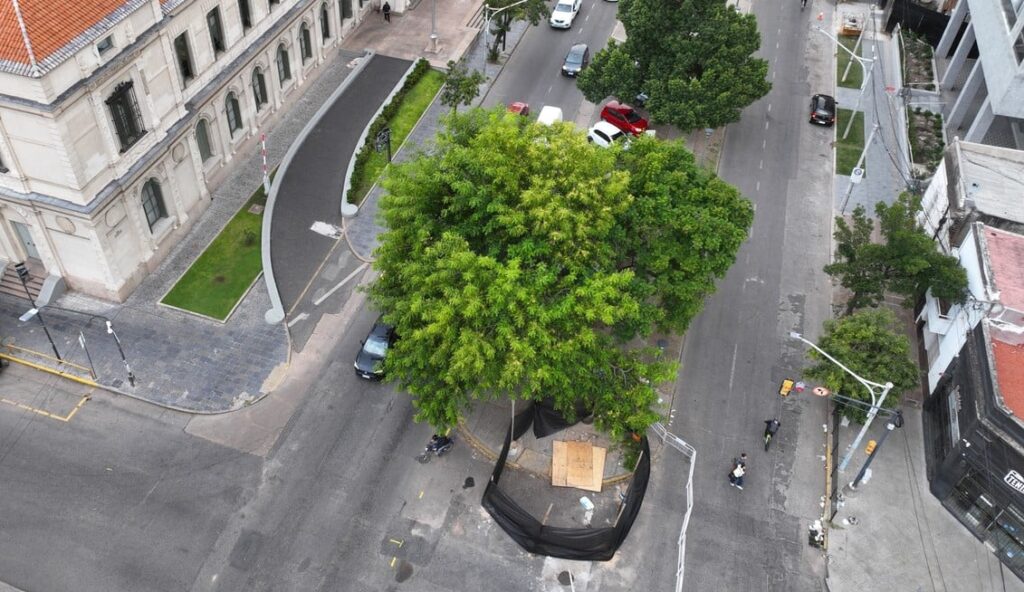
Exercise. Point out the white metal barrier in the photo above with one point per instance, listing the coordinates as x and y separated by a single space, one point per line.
691 453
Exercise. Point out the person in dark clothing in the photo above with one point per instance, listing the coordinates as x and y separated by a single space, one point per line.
387 12
770 427
738 471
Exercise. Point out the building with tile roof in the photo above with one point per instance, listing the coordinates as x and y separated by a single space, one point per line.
974 353
118 117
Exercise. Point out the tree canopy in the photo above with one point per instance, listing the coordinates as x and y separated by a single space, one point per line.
518 259
693 58
531 11
871 343
906 262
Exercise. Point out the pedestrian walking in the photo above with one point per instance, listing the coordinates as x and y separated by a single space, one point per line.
739 469
387 12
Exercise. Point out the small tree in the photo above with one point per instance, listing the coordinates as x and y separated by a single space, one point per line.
460 85
871 344
907 262
531 11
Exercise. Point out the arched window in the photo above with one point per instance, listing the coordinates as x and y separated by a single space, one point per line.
325 24
153 203
203 139
284 69
234 113
306 45
259 88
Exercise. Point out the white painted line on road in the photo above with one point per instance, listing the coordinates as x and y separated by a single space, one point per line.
732 373
549 90
757 187
340 284
587 18
769 107
761 166
764 143
773 74
326 229
766 124
301 316
776 45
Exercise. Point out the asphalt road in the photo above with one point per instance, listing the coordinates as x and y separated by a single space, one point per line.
738 350
533 73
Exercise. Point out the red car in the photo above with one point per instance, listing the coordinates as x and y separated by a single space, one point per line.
624 117
519 108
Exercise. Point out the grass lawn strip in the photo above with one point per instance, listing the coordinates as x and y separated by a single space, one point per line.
227 268
413 105
856 76
848 150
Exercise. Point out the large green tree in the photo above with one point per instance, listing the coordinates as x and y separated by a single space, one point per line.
906 262
518 259
693 58
461 85
872 344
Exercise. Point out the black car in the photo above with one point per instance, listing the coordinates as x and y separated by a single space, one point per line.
577 59
823 110
373 351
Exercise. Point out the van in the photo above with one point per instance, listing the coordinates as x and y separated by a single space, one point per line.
549 115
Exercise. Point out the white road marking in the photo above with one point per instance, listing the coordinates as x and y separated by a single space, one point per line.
339 284
326 229
757 187
764 144
549 89
766 124
300 317
761 166
732 373
769 107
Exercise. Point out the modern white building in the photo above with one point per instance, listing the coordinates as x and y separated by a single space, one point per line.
988 106
118 117
974 208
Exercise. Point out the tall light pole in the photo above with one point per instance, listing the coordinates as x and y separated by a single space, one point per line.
131 377
867 73
489 13
433 26
876 400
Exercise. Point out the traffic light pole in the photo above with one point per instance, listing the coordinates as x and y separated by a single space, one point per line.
895 422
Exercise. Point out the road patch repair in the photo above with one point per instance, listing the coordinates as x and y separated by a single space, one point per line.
24 389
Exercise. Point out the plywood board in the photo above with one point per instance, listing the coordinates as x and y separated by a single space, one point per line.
581 464
559 464
597 477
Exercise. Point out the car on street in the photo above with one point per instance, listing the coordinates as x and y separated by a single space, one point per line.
823 110
519 108
564 13
374 349
577 59
624 117
605 134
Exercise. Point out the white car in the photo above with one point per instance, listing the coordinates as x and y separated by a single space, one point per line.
605 134
564 13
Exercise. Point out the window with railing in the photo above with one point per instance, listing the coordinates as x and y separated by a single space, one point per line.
124 111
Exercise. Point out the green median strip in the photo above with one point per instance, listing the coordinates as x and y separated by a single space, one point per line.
848 150
855 77
401 116
222 274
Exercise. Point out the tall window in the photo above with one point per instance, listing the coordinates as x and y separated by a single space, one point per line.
284 69
216 30
304 43
245 13
325 24
346 8
184 56
153 203
203 139
259 88
124 110
234 113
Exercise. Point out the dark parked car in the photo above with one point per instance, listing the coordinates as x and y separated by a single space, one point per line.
577 59
624 117
823 110
374 349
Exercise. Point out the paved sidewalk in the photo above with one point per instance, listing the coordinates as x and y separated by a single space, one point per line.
901 537
180 360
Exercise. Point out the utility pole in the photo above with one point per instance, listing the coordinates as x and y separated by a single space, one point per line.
23 275
858 171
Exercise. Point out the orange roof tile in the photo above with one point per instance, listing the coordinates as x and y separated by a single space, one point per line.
1006 256
50 24
1010 374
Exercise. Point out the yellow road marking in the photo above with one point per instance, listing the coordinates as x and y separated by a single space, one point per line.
393 560
45 413
421 495
396 542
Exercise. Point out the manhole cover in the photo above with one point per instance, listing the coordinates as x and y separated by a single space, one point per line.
256 209
469 483
565 578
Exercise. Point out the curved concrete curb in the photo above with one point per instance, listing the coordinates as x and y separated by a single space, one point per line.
347 209
276 313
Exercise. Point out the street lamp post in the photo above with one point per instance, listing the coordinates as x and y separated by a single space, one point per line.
895 422
876 400
433 26
23 274
124 360
867 73
490 12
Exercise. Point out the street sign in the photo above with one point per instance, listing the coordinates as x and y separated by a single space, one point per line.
383 141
